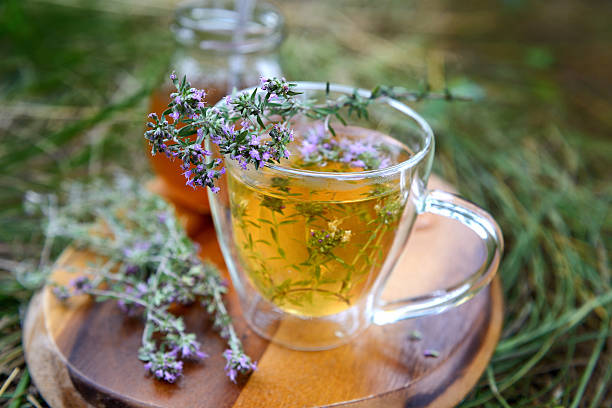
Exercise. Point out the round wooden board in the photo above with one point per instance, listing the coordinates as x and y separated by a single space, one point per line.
84 353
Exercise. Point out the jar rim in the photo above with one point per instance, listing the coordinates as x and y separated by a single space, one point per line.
217 26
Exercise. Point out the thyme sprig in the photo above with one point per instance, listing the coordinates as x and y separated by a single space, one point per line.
252 128
147 264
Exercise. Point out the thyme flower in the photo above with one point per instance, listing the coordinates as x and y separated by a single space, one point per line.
319 147
237 363
324 241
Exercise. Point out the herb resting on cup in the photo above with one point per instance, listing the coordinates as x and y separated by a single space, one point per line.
252 128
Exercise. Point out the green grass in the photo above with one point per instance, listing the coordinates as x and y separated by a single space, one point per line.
535 151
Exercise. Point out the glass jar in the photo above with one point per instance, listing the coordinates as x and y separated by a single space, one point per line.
221 45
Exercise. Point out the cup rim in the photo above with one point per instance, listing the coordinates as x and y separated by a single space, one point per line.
412 161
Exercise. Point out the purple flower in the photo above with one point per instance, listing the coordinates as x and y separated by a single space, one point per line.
254 154
263 83
228 130
81 284
122 305
242 161
61 292
231 373
142 288
131 269
236 364
173 76
142 245
174 115
307 149
216 139
199 95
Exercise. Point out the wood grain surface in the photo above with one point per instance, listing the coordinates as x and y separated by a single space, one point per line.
83 353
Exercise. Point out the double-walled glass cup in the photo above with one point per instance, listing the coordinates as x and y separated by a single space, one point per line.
309 252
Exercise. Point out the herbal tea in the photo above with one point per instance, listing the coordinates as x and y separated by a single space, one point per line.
312 251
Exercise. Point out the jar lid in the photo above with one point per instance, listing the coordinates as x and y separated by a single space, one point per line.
229 26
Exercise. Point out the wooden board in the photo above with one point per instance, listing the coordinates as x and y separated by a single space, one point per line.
84 353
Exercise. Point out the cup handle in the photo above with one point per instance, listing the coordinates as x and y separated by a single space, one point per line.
450 206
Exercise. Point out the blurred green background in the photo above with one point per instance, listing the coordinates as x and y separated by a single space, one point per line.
534 147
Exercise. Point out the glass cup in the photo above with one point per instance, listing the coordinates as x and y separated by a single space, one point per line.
309 252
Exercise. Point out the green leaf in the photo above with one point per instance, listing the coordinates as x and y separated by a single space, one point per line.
186 131
260 122
331 129
340 118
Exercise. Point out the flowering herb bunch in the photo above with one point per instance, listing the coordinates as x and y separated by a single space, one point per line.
147 264
253 127
237 128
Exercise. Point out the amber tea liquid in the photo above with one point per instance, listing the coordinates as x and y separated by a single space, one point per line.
312 251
